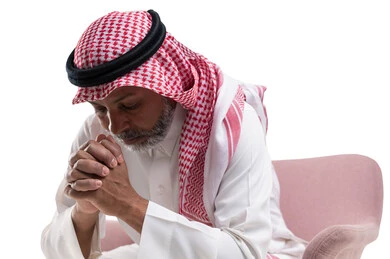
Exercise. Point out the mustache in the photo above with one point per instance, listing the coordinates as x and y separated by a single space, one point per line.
130 134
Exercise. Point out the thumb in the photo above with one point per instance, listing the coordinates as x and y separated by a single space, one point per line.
100 137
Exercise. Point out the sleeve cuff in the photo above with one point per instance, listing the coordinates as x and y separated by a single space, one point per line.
166 234
67 243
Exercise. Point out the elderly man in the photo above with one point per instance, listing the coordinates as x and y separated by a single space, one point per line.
175 150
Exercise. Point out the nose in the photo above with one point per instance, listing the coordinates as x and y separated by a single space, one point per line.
117 122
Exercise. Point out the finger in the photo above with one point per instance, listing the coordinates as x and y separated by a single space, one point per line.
101 153
110 138
100 137
80 154
120 157
77 195
74 175
86 144
114 148
86 185
93 167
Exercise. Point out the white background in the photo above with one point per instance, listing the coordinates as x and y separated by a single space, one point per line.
326 65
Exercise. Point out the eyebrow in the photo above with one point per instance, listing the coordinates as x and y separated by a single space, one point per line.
117 100
123 97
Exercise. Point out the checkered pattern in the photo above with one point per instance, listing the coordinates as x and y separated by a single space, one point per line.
176 72
116 33
173 71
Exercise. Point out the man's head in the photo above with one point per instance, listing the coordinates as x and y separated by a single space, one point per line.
137 117
173 71
129 69
130 49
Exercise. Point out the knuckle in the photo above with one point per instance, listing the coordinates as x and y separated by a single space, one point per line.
76 164
113 147
97 166
70 175
102 141
89 145
87 148
108 156
90 142
73 158
74 185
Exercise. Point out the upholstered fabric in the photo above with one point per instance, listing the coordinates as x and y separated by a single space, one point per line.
345 197
333 202
115 236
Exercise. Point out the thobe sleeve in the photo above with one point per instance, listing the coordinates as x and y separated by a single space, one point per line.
58 239
242 227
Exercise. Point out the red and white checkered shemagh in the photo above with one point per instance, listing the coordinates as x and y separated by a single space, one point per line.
174 71
188 78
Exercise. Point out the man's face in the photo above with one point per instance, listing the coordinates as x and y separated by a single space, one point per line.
135 116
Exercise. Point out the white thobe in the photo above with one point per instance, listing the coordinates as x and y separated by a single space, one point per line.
247 220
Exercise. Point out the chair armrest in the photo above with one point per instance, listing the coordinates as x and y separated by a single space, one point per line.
341 241
115 236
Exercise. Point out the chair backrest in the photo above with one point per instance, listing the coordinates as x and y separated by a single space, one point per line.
335 190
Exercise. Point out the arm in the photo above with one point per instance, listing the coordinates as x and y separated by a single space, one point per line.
98 181
84 225
59 239
84 184
242 219
73 232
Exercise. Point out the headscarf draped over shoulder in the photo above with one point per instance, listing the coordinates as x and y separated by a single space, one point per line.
171 70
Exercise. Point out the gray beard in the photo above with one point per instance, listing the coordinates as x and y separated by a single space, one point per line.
155 135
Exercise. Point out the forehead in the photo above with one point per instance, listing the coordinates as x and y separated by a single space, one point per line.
125 92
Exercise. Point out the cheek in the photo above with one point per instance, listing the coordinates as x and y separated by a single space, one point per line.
103 122
150 115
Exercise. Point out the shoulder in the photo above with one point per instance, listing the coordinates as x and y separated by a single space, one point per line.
251 124
252 137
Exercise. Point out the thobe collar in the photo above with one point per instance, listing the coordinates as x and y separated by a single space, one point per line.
172 138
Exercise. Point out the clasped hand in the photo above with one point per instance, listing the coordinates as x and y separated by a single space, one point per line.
98 179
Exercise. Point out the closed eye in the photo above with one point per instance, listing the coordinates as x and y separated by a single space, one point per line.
129 107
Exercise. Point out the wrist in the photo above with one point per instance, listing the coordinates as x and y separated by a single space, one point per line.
84 220
134 213
85 212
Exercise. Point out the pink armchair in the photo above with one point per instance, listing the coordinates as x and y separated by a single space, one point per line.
334 202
